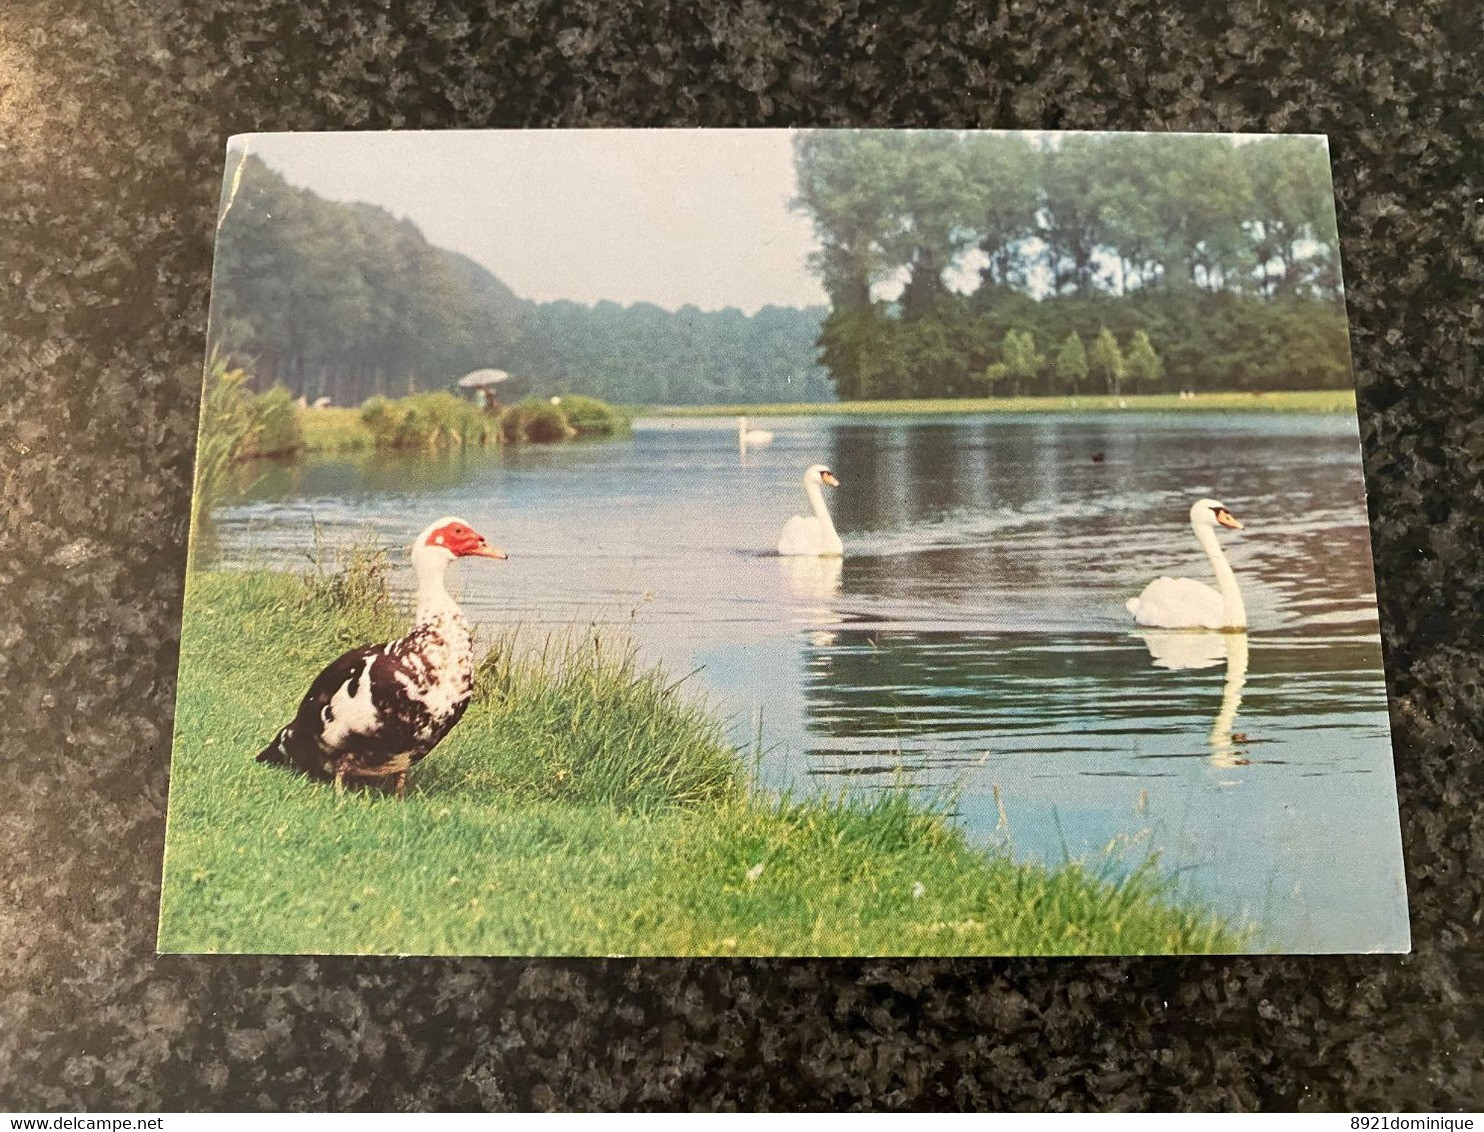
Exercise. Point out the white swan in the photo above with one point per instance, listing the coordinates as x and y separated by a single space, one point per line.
815 535
751 436
1182 603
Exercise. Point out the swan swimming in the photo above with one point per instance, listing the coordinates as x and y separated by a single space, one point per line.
752 436
815 535
1183 603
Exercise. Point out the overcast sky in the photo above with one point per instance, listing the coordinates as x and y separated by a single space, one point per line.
662 216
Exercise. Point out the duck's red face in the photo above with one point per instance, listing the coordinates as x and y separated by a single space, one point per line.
463 541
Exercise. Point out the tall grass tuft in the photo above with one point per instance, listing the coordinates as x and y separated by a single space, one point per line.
576 719
536 421
592 418
350 595
278 431
580 719
236 425
426 421
228 428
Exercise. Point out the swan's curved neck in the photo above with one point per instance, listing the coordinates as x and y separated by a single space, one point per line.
816 500
1233 612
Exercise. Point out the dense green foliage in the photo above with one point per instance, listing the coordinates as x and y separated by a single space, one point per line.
589 417
535 420
1071 365
426 421
226 428
1019 363
585 805
1105 361
542 421
1223 256
278 432
346 301
1143 367
645 355
235 425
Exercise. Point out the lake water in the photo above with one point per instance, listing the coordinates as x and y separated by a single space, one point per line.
973 643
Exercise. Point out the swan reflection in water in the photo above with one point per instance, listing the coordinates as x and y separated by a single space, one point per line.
1175 649
814 583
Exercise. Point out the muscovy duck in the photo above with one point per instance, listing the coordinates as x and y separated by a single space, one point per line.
379 709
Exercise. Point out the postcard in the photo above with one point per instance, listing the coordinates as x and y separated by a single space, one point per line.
730 542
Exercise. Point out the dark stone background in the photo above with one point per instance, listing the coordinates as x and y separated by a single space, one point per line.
113 115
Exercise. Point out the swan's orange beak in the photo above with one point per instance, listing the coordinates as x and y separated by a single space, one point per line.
484 550
1227 519
829 478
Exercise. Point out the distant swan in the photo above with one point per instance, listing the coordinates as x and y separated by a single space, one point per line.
815 535
1182 603
752 436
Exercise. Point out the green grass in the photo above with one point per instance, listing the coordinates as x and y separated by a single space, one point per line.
335 430
1301 401
586 805
426 421
592 418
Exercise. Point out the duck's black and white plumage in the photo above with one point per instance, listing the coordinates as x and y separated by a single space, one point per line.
377 710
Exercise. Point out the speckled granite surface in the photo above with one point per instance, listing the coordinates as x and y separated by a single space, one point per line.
113 115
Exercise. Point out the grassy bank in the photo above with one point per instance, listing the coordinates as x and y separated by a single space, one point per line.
434 421
584 806
1300 401
334 430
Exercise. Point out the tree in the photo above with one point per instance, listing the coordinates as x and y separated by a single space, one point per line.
1142 365
1212 191
1021 361
1133 228
995 376
1071 363
1106 361
1003 172
1225 254
348 301
1074 211
848 183
937 205
1291 224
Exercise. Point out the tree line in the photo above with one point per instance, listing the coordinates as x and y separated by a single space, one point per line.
967 263
349 302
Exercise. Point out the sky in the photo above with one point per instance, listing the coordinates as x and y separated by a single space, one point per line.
662 216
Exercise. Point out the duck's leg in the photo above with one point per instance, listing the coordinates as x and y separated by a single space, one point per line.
399 785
